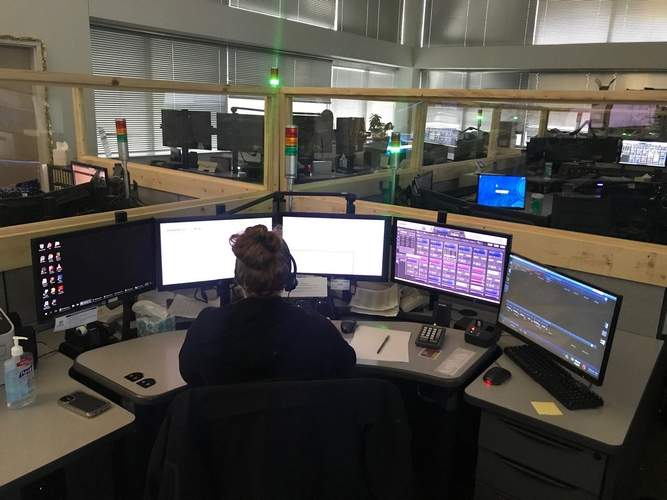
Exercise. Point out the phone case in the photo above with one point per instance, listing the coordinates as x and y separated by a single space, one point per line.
84 404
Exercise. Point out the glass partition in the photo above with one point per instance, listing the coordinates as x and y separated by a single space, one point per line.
346 145
59 152
209 134
585 167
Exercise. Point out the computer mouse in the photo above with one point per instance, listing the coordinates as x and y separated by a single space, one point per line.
348 326
496 376
474 327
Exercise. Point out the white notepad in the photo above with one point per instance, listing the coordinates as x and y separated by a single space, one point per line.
367 340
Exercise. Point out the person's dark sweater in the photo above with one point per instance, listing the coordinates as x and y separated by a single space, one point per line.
262 339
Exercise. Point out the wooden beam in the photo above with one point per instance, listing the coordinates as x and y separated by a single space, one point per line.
15 240
492 151
190 184
418 134
122 83
491 95
271 143
544 123
79 121
612 257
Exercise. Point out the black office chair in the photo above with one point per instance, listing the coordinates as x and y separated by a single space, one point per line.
325 440
582 213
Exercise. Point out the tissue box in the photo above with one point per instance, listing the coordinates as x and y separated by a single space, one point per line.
149 326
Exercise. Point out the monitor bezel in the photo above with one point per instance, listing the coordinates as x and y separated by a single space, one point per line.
479 176
385 246
195 284
562 362
474 300
637 165
34 254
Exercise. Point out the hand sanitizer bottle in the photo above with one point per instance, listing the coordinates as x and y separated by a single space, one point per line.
18 377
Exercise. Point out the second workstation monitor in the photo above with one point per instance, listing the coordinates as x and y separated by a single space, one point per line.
348 246
643 153
196 251
81 269
451 260
568 319
503 191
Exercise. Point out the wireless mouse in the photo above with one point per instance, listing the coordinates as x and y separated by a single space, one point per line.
496 376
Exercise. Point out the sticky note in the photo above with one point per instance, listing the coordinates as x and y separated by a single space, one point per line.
546 408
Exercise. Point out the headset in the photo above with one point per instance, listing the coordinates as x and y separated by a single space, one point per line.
290 282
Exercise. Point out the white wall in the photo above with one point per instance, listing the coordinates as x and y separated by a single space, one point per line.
210 19
64 27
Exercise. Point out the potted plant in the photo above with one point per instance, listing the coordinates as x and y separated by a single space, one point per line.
377 133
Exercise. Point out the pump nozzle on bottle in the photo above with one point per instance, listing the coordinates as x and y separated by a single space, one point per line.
17 349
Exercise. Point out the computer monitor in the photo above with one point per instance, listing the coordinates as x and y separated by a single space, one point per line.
240 132
337 245
187 129
424 181
505 191
572 321
451 260
84 173
81 269
196 251
643 153
315 134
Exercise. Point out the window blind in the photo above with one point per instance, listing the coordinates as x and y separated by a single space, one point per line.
138 55
380 19
317 12
363 76
600 21
477 22
461 118
118 53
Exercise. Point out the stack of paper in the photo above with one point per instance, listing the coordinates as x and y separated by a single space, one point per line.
376 299
367 341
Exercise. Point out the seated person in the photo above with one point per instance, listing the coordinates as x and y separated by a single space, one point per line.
262 337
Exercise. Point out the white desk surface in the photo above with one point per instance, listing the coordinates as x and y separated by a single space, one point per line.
630 367
156 356
44 433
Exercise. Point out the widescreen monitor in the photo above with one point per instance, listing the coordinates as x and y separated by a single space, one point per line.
449 259
185 128
81 269
504 191
572 321
643 153
196 251
352 246
240 132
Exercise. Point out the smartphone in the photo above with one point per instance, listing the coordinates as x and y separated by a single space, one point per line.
84 404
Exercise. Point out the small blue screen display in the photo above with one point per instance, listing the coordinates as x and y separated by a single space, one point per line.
504 191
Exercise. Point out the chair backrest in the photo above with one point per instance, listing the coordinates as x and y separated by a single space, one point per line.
299 440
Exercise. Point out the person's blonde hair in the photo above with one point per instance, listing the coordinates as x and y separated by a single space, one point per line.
262 260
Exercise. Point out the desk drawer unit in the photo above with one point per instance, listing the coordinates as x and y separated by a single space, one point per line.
559 459
502 479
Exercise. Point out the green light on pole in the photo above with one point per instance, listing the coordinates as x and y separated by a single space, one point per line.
274 81
480 115
395 143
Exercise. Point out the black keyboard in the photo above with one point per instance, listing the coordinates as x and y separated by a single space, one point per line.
571 393
430 337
